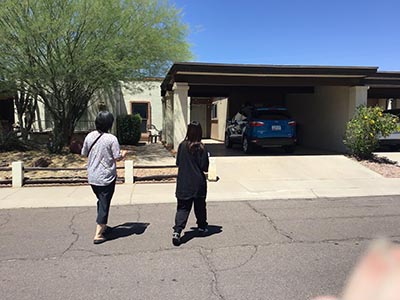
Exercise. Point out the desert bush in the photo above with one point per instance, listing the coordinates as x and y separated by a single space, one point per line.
365 128
128 129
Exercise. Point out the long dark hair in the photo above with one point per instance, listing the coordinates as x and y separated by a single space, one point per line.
193 136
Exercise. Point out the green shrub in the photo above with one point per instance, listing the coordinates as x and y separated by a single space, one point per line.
128 129
365 128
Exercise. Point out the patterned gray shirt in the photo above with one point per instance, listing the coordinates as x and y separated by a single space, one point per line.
101 167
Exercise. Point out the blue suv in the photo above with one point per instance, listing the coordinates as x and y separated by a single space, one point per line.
264 127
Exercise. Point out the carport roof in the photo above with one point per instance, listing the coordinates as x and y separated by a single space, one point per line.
383 85
212 79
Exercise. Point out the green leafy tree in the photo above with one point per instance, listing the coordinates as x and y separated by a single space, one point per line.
365 128
69 51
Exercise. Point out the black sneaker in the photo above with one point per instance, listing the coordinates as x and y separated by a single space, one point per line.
176 238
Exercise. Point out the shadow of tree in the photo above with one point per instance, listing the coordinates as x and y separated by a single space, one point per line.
125 229
194 233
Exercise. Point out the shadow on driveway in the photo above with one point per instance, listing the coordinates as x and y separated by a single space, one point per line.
219 149
126 229
194 233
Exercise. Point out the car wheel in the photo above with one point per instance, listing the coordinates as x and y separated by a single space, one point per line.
288 149
247 147
228 142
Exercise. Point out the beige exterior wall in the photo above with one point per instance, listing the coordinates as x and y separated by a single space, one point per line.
181 112
118 102
218 124
150 92
322 116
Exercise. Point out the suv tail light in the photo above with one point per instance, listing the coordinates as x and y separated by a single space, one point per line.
256 124
292 123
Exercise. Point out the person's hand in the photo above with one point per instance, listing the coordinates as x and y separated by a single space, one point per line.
376 277
124 153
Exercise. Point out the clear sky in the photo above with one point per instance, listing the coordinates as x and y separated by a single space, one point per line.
295 32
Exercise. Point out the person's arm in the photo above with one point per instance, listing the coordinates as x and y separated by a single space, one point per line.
178 155
204 161
116 151
85 148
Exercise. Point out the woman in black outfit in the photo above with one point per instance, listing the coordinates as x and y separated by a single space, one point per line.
191 185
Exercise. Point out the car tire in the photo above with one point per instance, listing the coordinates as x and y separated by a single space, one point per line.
288 149
227 141
247 146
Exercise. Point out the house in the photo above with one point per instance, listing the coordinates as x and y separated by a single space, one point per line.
142 97
321 99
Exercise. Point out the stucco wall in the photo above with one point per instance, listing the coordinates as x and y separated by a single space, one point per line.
322 116
117 102
148 91
218 125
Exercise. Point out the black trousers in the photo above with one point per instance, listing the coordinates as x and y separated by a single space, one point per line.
183 210
104 195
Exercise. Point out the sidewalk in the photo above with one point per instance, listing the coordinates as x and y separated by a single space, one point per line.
240 178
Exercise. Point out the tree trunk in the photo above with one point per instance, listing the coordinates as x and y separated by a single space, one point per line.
62 135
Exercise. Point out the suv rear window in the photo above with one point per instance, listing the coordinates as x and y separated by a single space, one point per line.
270 115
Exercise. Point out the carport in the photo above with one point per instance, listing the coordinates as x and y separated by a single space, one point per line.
320 98
384 89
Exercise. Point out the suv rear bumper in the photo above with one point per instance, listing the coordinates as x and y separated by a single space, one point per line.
273 142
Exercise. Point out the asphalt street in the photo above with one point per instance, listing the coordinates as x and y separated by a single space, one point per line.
273 249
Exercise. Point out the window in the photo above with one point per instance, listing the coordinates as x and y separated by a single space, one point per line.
214 114
141 108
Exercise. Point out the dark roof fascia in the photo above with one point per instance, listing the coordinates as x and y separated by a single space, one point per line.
262 70
383 79
271 69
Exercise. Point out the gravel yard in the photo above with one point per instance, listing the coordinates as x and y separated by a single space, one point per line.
35 158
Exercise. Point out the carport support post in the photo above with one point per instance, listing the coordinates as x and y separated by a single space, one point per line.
358 96
17 174
164 116
181 111
168 130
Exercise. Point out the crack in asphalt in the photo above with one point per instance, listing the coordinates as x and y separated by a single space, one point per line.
255 248
96 254
73 230
7 219
214 282
271 222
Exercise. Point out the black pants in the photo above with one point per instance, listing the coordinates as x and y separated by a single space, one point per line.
104 195
183 210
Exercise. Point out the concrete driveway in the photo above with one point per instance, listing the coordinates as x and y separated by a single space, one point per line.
305 174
